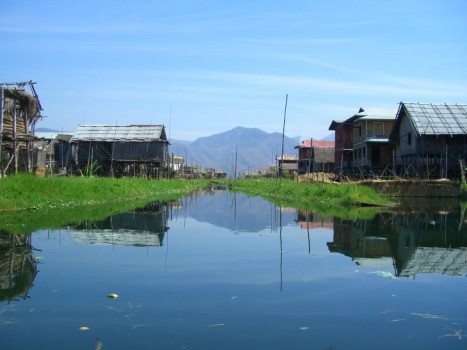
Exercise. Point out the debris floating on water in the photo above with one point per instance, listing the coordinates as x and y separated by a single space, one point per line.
112 296
430 316
84 328
385 274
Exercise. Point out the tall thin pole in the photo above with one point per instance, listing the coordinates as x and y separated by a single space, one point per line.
235 169
281 164
15 141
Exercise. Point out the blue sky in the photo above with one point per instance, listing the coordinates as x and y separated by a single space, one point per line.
204 67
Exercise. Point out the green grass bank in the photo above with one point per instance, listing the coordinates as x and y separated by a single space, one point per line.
317 195
29 203
29 192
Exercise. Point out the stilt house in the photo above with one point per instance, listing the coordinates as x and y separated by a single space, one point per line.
362 142
343 148
130 150
315 156
19 112
430 140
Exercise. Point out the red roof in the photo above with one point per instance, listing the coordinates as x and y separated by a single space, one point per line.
313 143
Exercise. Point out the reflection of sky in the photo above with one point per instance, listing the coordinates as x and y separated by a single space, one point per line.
210 286
237 211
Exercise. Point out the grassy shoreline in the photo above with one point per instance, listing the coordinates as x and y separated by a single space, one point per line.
324 194
29 203
29 192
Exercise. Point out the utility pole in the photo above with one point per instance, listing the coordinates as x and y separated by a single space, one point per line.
281 164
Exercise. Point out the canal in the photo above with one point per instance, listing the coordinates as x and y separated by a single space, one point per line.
221 270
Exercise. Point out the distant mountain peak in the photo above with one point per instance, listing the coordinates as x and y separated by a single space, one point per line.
253 148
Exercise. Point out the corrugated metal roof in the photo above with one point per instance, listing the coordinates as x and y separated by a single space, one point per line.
378 117
373 113
316 143
119 133
438 119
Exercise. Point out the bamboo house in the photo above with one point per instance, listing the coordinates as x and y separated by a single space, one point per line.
19 113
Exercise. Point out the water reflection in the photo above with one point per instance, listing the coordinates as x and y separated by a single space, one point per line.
241 272
235 211
18 267
141 227
411 243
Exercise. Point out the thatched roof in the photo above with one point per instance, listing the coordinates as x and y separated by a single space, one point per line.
27 109
26 101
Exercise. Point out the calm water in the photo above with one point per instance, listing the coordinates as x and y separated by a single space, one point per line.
225 271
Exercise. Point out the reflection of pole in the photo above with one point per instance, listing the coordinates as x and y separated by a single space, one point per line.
280 240
184 207
271 206
308 232
235 211
167 252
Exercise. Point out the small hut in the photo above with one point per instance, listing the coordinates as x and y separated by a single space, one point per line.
314 156
121 150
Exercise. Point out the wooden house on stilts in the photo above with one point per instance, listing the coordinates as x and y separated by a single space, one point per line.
19 112
430 140
121 150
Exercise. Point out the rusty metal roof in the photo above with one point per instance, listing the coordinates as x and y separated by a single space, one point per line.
438 119
315 143
120 133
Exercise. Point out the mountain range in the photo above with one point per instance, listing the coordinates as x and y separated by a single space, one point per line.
248 148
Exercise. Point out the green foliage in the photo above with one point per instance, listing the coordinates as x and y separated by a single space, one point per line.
29 192
91 169
329 199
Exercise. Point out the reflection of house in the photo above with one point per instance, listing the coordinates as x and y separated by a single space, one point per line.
445 261
429 243
309 221
122 150
19 113
430 140
410 243
315 156
140 227
17 266
360 240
